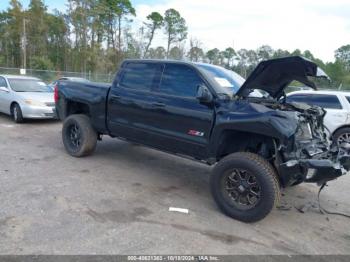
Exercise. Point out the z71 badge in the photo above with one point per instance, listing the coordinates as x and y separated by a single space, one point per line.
195 133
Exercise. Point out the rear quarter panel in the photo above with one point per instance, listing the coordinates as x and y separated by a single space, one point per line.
94 95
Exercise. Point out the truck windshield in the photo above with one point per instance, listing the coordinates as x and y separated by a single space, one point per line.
28 85
227 81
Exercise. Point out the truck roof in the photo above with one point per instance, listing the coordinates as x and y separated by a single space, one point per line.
171 61
161 61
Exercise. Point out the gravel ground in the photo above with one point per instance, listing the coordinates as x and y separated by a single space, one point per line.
117 201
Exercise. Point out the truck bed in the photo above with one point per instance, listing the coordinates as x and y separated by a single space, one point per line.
92 94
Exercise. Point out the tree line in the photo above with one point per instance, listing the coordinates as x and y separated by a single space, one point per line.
96 35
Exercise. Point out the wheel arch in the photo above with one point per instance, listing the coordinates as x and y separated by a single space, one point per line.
69 107
232 140
12 104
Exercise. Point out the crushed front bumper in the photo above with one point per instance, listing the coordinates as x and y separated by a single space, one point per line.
313 170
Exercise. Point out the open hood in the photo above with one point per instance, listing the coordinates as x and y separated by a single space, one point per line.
274 75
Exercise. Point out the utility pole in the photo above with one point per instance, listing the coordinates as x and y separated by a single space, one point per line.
24 44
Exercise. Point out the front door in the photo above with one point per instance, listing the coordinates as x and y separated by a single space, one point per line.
183 123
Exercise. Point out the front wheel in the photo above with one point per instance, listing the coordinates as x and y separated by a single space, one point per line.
245 186
79 137
16 113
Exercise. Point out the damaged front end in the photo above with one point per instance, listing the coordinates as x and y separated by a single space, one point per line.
304 154
309 156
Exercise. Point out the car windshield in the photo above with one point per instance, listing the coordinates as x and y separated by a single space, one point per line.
28 85
227 81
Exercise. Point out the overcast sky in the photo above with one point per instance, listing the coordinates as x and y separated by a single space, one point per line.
318 25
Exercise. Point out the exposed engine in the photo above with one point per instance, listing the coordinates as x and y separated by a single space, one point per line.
310 138
311 146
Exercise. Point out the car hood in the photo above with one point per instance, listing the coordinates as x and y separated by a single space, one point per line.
274 75
37 96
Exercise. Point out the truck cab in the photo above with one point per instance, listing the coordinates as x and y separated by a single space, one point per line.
157 103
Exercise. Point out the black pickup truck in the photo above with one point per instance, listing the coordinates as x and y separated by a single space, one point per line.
256 141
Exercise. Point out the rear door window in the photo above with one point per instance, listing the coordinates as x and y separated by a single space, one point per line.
299 98
141 76
180 80
324 101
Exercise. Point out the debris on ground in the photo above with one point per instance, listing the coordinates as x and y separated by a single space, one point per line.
177 209
306 207
284 207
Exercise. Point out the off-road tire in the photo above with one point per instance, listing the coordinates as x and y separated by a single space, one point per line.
264 174
88 135
16 113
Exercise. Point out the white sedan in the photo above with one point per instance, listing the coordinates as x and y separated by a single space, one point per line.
337 106
25 97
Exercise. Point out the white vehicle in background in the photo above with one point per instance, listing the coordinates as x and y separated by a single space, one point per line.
74 79
337 106
25 97
68 78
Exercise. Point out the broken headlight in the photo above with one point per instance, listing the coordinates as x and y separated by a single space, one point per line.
304 132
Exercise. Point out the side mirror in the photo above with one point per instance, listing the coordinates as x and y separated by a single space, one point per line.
203 94
4 89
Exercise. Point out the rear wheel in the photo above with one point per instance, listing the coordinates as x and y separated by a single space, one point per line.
79 137
245 186
16 113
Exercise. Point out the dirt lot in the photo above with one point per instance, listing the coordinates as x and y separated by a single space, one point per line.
116 202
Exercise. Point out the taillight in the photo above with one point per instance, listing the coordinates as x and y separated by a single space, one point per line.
55 94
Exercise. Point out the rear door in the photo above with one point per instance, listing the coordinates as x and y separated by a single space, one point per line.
131 101
183 123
